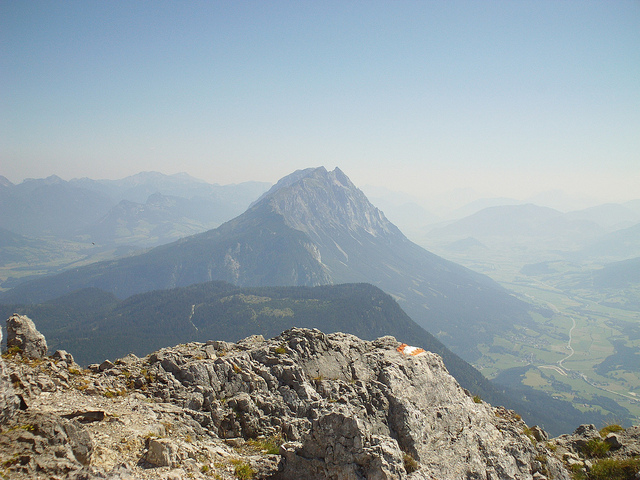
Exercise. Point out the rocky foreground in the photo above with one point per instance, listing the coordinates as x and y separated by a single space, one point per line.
303 405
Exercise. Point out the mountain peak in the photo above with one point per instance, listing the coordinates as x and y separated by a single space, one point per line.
323 203
288 180
50 180
5 182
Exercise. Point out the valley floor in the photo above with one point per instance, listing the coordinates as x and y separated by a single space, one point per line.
585 352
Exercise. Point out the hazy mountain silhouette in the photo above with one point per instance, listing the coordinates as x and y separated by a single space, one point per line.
50 206
527 229
617 245
314 227
161 219
146 209
611 216
137 188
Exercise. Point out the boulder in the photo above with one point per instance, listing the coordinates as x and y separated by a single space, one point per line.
339 445
63 356
46 443
162 453
613 440
539 434
576 442
22 334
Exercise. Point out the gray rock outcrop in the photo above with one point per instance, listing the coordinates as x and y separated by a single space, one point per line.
301 405
9 402
22 334
586 446
57 445
349 409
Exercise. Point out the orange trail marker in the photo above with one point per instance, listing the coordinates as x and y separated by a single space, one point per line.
408 350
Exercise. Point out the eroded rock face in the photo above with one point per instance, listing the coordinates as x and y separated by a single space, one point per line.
336 406
351 409
46 443
9 402
22 334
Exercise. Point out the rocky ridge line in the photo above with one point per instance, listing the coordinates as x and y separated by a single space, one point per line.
301 405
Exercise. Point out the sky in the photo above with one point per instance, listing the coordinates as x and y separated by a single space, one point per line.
507 98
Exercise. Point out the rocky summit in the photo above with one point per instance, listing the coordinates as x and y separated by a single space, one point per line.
303 404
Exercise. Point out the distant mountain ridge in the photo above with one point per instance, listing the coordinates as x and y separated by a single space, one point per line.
617 245
526 220
137 188
607 231
104 209
50 207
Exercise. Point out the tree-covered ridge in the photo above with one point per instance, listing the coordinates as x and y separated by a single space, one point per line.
94 325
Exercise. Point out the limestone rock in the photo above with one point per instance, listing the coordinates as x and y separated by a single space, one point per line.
334 406
341 446
629 441
22 333
106 365
162 453
42 442
539 434
613 440
9 402
349 408
575 442
63 356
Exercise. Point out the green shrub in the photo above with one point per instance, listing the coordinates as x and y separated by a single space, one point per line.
596 448
615 469
270 445
610 428
12 351
243 470
529 433
543 461
477 399
280 350
577 472
410 464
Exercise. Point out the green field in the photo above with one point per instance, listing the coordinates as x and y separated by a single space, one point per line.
587 352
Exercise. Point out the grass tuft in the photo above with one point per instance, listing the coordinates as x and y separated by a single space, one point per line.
269 445
615 469
596 448
410 464
610 428
243 470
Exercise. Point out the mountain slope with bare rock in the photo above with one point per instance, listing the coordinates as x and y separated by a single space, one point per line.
301 405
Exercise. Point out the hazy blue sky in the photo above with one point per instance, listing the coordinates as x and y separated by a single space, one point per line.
506 97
